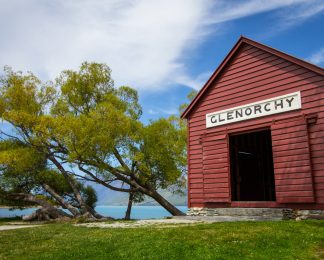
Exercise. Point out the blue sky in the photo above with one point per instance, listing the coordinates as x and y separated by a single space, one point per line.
162 48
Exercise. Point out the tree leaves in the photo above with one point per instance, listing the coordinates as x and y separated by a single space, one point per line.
87 123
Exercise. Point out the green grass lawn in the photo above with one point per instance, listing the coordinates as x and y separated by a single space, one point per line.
240 240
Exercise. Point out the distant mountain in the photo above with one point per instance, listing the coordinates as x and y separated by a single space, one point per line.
115 198
175 199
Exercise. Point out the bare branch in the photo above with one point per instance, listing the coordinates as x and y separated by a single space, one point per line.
121 161
96 179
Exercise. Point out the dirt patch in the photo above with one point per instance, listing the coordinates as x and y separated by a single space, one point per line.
175 221
10 227
160 223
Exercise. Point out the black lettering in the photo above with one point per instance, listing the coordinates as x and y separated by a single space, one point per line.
279 103
257 108
213 119
238 113
230 115
248 111
266 107
220 119
289 101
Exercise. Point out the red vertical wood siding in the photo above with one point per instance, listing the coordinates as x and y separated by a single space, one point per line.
215 168
251 75
292 162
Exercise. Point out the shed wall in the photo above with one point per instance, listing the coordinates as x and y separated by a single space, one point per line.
253 75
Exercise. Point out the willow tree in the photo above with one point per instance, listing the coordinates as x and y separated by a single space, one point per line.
91 130
26 180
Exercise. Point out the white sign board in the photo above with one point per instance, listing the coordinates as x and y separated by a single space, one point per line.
266 107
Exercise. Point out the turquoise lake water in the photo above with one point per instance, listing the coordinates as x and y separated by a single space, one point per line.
138 212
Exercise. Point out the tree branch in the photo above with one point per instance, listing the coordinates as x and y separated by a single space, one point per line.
121 161
96 179
70 181
60 200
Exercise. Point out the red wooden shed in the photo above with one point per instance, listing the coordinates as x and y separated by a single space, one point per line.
255 132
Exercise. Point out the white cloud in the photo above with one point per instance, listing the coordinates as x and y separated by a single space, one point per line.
230 10
143 41
195 83
318 57
140 40
298 13
158 111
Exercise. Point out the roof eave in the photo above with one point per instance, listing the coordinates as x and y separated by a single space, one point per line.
213 76
241 40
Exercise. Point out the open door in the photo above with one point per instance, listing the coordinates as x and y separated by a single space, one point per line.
252 172
292 164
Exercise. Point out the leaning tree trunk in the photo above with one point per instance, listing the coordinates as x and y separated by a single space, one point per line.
136 184
147 189
129 206
92 213
165 204
74 211
151 192
71 182
85 209
46 212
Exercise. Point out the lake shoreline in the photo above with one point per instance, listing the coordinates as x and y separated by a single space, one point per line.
117 212
8 207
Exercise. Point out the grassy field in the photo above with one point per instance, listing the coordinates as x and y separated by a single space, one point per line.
240 240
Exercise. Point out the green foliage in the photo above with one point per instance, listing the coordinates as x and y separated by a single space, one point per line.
23 169
83 120
89 196
138 197
23 98
20 167
91 116
17 157
192 94
162 151
55 179
236 240
84 89
6 221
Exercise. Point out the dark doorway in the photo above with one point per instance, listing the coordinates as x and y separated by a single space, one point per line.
252 167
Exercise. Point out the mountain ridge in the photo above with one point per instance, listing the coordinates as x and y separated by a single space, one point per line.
107 197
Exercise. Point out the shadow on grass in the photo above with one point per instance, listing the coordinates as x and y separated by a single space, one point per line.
5 220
